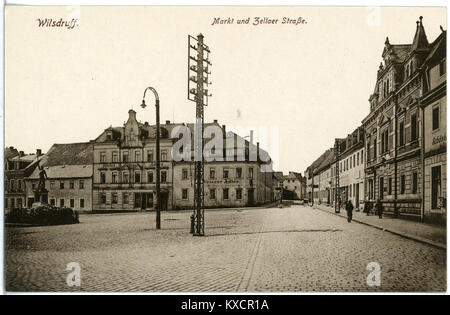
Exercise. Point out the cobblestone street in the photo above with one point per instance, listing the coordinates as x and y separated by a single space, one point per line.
290 249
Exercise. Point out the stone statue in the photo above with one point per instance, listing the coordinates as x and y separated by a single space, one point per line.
42 178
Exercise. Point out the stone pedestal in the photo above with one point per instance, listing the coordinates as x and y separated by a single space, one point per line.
41 195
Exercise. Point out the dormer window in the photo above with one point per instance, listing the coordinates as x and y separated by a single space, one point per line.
109 135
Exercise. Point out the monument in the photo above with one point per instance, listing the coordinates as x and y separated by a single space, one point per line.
41 193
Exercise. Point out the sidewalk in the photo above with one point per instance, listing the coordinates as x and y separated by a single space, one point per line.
425 233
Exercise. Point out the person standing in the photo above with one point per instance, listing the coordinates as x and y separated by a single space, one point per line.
379 208
349 208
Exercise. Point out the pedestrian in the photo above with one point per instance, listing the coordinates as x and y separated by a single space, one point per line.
367 207
379 208
349 208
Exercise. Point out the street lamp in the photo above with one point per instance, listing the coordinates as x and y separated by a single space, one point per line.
158 157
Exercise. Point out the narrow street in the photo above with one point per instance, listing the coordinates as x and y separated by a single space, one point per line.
266 250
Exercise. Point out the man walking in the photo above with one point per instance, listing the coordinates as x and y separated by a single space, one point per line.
379 208
349 208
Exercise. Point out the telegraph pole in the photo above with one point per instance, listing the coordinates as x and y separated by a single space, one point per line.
198 64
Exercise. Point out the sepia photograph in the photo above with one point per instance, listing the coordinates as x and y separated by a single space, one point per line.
224 149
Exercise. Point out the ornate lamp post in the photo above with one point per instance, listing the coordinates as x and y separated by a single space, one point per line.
158 157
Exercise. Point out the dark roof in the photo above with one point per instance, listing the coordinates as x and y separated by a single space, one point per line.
69 154
420 40
10 152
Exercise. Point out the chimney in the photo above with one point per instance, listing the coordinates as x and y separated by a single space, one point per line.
251 136
167 122
257 151
38 152
215 121
21 153
146 123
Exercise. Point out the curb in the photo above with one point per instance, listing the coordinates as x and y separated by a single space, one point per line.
404 235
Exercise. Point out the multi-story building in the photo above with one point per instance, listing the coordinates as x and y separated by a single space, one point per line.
434 112
278 181
17 169
324 177
351 169
393 128
294 186
124 171
69 176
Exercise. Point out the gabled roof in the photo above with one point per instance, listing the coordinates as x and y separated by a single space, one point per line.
65 171
69 154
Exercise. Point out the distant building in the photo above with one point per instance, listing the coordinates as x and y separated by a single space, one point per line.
125 169
18 166
69 171
294 186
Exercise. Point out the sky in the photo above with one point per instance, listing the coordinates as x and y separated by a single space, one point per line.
298 86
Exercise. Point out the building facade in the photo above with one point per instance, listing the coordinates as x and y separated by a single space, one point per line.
434 112
394 135
17 169
294 186
124 170
69 176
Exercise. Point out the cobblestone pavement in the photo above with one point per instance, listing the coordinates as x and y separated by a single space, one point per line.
290 249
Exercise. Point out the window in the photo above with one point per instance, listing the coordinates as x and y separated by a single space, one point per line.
357 158
114 198
375 148
52 184
19 184
102 178
436 119
81 184
184 174
125 198
52 202
61 184
150 176
239 193
137 176
402 184
435 186
212 194
103 198
250 173
114 177
163 155
351 163
72 184
225 194
401 133
125 156
384 141
102 157
137 156
72 203
61 203
163 176
390 186
414 183
442 68
238 172
19 203
184 194
381 183
413 127
225 173
150 156
114 157
6 203
368 151
126 177
354 161
212 173
13 203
